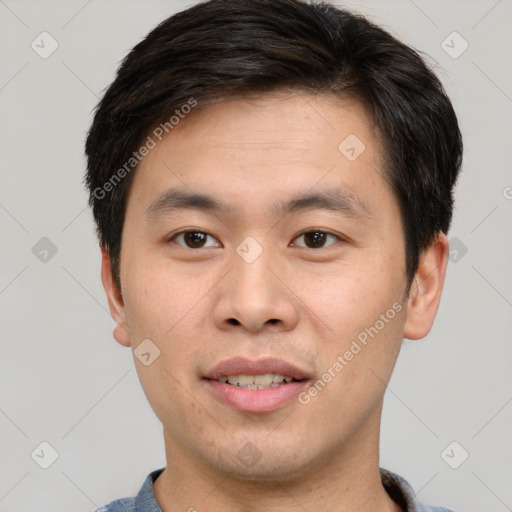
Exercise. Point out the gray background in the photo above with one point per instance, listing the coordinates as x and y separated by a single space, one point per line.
64 380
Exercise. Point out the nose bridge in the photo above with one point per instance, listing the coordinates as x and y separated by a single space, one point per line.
252 295
251 270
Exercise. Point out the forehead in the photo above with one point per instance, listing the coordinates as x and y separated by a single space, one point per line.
244 148
278 121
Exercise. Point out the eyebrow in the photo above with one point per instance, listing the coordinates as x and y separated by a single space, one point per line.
339 200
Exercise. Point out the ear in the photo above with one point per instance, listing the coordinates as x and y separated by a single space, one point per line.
426 289
115 300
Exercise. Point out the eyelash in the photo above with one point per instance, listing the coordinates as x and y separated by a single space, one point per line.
328 233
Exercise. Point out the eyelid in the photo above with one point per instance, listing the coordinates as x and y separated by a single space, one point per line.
319 230
173 236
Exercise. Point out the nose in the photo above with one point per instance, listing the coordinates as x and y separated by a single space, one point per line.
257 296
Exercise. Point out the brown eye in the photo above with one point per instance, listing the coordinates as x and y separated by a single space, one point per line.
316 239
192 239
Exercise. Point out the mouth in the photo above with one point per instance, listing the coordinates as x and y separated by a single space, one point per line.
256 386
264 381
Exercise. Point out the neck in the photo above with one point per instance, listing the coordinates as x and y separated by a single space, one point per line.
339 481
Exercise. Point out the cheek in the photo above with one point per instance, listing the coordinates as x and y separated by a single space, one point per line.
160 308
158 300
172 400
357 366
351 295
362 317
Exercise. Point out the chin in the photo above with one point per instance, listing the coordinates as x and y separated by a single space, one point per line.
264 472
268 464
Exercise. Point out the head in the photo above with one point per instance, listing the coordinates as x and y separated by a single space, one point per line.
230 131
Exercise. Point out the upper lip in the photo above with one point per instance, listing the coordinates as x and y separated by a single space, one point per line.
242 366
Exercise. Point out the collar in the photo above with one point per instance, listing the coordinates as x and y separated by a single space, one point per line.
397 487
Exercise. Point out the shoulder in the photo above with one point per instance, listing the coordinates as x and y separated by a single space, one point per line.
120 505
431 508
145 501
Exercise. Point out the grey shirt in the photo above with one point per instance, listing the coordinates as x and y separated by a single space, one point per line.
397 487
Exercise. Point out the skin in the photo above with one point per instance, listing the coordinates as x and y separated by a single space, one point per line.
296 302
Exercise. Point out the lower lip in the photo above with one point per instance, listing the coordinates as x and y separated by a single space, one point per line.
256 400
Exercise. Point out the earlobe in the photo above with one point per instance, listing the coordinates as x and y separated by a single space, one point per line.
115 300
426 289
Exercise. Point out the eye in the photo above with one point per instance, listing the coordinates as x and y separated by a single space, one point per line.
316 239
192 239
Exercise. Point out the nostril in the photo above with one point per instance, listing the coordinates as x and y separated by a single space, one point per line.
234 321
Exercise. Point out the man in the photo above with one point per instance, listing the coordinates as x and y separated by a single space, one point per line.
272 184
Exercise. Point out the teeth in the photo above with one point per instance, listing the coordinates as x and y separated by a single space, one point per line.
268 380
241 380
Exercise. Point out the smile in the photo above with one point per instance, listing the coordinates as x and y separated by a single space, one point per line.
256 386
264 381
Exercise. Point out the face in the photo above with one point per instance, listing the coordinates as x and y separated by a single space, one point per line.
292 266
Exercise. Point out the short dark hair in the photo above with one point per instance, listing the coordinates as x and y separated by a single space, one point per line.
221 49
